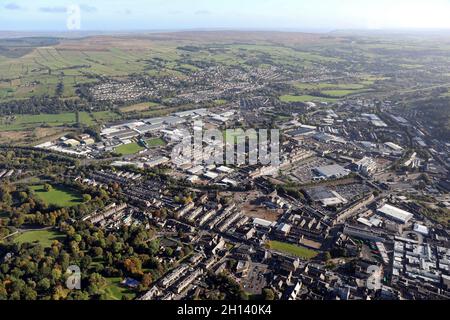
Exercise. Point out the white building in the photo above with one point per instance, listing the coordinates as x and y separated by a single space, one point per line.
395 214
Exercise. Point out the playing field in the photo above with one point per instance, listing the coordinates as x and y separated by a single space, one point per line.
127 149
291 249
158 142
43 237
58 196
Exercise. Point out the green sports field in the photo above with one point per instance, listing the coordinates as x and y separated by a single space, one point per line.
291 249
128 149
156 142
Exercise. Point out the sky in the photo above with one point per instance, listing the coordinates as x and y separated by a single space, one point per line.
301 15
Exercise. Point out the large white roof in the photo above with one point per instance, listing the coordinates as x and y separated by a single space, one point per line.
396 213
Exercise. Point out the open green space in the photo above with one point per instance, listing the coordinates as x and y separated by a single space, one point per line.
115 291
341 93
322 86
43 237
292 249
157 142
306 98
138 107
59 196
220 102
232 136
29 121
128 149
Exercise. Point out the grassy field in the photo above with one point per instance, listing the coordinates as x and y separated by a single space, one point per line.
44 237
305 98
58 196
157 142
341 93
128 149
323 86
145 106
29 121
291 249
115 291
220 102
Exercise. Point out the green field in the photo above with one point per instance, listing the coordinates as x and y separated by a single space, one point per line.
145 106
341 93
44 237
58 196
157 142
115 291
128 149
29 121
220 102
291 249
305 98
322 86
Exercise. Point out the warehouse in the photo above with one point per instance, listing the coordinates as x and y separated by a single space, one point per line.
326 197
395 214
334 171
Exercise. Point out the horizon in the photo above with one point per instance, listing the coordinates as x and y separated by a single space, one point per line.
267 15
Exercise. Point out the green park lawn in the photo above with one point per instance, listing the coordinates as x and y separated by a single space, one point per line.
115 291
43 237
59 196
291 249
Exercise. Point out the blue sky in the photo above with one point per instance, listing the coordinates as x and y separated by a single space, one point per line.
108 15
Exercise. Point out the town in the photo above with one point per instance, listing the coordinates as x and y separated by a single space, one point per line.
357 207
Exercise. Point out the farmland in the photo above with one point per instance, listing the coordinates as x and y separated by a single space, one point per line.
30 121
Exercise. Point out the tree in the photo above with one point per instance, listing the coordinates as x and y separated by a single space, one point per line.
133 265
44 284
47 187
87 197
98 252
268 294
3 293
327 256
169 251
147 280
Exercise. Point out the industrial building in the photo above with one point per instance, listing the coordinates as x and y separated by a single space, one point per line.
334 171
395 214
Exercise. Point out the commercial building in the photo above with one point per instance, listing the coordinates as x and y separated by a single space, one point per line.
395 214
334 171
